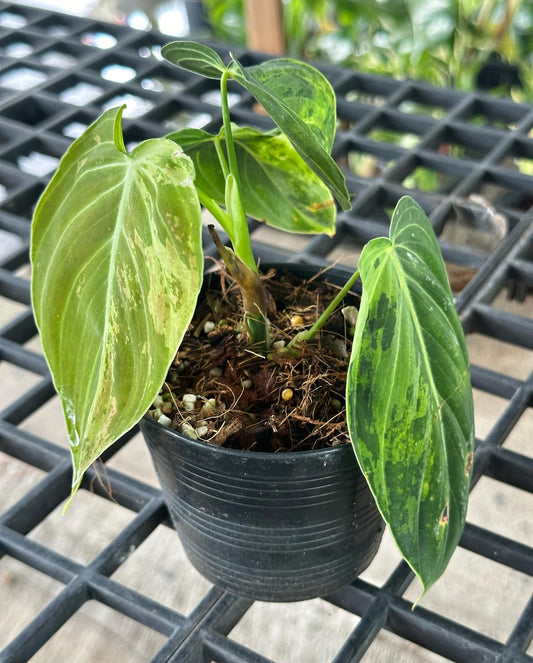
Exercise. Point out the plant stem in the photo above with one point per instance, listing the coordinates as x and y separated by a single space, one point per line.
241 235
310 333
220 215
221 157
253 296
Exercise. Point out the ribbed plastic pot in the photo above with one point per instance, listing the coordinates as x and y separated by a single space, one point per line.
270 527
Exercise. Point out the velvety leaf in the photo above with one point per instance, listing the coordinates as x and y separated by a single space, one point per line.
409 397
302 103
117 267
277 186
194 57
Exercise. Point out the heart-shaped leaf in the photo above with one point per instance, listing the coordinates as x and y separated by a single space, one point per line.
117 267
198 58
409 397
277 186
302 103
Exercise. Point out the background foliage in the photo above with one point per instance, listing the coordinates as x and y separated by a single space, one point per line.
460 43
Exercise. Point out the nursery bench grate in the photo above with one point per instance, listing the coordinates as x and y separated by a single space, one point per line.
462 156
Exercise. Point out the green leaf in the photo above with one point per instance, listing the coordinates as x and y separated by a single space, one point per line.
302 103
409 397
198 58
277 186
117 267
294 88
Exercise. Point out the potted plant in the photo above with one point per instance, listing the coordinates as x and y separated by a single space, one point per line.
117 271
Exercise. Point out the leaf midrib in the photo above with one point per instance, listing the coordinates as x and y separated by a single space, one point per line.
121 216
401 275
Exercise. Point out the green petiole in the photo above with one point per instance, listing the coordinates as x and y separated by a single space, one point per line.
310 333
241 235
219 214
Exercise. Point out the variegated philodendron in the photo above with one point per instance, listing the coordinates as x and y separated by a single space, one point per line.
117 268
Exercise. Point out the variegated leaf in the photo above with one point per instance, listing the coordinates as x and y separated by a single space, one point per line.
117 267
302 103
277 186
409 396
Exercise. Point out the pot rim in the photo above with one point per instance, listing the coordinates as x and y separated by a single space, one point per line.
241 453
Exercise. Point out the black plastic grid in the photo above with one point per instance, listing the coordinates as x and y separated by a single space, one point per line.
463 143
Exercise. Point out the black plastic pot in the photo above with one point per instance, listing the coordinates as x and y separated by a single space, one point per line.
271 527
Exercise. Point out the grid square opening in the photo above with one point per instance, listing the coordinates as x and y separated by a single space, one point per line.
164 79
100 634
505 192
19 46
174 115
295 632
23 203
17 478
72 126
25 592
494 113
519 439
57 26
38 157
63 55
416 106
431 180
33 111
476 225
9 310
388 646
500 356
519 156
462 142
503 509
47 422
160 569
478 593
86 528
14 382
14 18
384 134
365 163
488 408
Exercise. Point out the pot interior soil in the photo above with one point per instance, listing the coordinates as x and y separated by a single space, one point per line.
220 391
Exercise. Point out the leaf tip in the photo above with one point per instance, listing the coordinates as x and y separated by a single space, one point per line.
418 599
74 490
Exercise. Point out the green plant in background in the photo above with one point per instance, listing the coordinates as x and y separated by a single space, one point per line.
444 42
226 18
117 268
